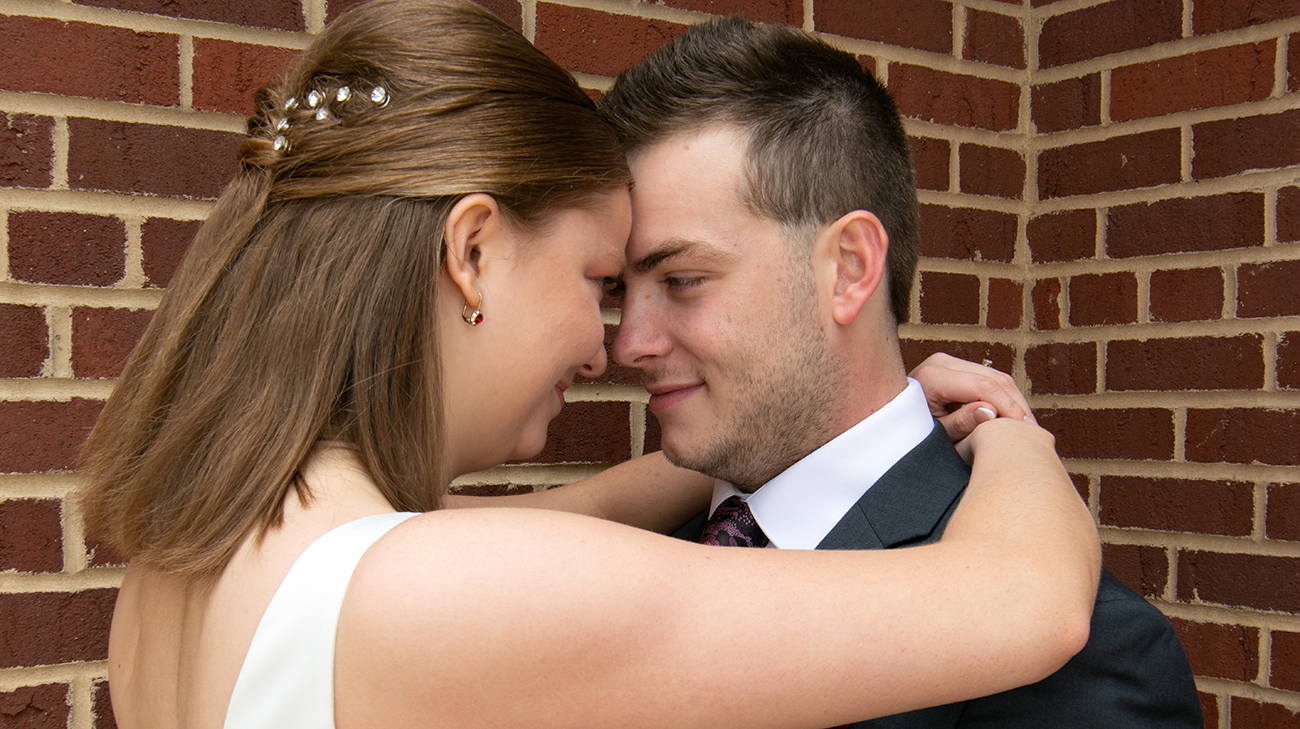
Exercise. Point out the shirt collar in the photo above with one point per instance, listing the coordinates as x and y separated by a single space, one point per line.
800 506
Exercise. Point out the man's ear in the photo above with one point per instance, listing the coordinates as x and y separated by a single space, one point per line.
857 245
473 230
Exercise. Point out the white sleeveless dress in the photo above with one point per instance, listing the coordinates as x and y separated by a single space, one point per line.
287 680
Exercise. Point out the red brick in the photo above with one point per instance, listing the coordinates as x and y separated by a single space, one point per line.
1268 289
1071 104
923 24
1178 505
1230 146
1220 651
1293 62
1108 28
26 150
1081 485
591 41
1120 163
1135 434
1283 518
1006 303
164 242
1000 356
31 535
930 157
1210 710
81 59
1069 235
949 298
991 171
1288 212
994 38
511 11
103 707
26 338
967 234
1244 580
43 435
1252 714
67 248
614 373
144 158
949 98
1103 298
1047 304
1184 225
227 73
1144 569
1288 360
786 12
281 14
43 628
493 489
1216 17
1286 661
1062 368
102 554
1194 294
588 432
102 339
1194 363
35 707
1243 436
653 434
1217 77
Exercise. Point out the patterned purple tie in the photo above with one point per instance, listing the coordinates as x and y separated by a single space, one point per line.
733 525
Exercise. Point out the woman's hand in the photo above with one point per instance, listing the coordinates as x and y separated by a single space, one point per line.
983 393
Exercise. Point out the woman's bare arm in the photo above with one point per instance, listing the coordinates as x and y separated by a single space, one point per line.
646 492
552 619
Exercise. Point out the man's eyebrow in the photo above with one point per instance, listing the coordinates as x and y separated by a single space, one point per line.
655 258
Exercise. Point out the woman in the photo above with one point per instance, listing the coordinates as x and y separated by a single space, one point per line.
396 289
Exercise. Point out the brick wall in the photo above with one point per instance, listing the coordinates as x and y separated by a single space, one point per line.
1110 202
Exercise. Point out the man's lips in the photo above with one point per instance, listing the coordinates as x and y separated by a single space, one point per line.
663 397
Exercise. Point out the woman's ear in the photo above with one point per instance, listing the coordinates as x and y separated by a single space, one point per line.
473 233
858 244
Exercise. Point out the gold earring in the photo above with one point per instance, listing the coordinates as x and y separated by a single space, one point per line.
475 317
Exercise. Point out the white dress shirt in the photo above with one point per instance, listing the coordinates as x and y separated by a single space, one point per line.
800 506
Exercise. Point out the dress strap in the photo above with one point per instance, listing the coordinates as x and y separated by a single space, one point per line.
287 680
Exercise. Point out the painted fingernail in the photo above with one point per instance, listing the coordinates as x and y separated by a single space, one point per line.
988 414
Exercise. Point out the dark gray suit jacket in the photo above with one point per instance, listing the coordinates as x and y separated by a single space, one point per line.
1132 672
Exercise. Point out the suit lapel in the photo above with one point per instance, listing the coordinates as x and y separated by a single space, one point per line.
910 503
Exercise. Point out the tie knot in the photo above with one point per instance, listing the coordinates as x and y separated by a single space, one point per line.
733 525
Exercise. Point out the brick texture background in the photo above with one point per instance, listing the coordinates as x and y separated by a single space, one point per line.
1111 207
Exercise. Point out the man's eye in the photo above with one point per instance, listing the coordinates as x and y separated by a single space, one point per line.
680 283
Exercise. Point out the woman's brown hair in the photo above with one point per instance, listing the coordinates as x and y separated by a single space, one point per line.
304 309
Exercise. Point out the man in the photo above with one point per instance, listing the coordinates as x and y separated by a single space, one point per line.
772 254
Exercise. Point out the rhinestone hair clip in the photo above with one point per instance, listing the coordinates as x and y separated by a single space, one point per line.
326 105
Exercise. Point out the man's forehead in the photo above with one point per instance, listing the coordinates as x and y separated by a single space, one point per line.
686 189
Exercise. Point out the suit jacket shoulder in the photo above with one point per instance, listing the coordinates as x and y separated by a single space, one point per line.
1131 672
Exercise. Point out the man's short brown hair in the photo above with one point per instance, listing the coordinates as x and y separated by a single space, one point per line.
825 136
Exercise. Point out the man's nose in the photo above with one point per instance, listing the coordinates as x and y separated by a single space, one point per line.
639 334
